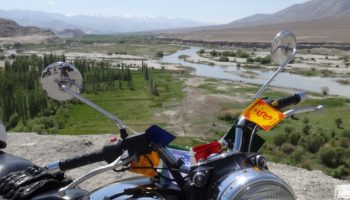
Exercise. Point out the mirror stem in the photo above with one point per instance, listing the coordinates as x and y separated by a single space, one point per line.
96 107
262 89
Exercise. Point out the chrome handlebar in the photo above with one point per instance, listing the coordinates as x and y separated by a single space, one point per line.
117 163
294 111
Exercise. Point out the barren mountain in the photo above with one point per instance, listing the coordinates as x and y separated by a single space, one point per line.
11 32
330 30
317 21
9 28
311 10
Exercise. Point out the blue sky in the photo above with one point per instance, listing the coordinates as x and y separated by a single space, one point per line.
209 11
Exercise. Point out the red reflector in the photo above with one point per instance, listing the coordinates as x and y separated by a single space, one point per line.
113 139
205 150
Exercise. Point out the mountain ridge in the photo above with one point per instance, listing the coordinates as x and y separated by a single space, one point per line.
315 21
308 11
93 24
9 28
11 32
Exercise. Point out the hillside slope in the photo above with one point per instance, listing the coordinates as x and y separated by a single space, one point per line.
317 21
317 31
311 10
9 28
11 32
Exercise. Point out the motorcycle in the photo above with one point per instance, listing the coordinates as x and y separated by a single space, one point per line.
228 169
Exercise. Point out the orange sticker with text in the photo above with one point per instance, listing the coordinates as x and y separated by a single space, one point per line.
262 114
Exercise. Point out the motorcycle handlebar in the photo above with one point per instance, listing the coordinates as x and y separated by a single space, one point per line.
108 153
81 160
290 100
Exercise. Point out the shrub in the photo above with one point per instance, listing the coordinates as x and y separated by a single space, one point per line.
279 138
306 129
213 53
346 133
250 60
13 121
223 59
159 54
201 51
229 54
12 56
325 91
306 164
288 129
228 116
338 122
331 157
314 142
266 60
297 154
258 59
287 148
339 172
242 54
294 138
342 142
183 56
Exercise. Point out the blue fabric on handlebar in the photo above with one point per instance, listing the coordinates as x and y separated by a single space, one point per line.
157 135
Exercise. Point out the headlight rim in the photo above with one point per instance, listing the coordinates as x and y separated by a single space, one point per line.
233 183
256 183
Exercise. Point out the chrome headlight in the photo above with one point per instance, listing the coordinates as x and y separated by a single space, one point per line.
252 184
267 190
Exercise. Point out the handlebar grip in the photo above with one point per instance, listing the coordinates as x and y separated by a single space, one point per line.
109 153
290 100
82 160
112 151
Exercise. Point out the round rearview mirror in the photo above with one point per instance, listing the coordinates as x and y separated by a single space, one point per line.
283 46
59 76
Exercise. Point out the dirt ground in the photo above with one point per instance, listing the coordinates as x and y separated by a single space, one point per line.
196 115
42 149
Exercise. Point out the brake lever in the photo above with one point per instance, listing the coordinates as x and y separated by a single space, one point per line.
117 163
294 111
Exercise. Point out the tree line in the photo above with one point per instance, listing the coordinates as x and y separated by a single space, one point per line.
22 97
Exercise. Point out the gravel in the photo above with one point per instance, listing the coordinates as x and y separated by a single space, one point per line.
42 149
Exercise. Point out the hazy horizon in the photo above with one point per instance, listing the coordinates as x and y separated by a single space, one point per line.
205 11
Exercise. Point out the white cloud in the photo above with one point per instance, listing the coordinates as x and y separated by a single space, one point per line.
50 2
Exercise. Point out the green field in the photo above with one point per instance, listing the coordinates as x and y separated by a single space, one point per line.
134 107
140 45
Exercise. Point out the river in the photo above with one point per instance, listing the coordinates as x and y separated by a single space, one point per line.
284 79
